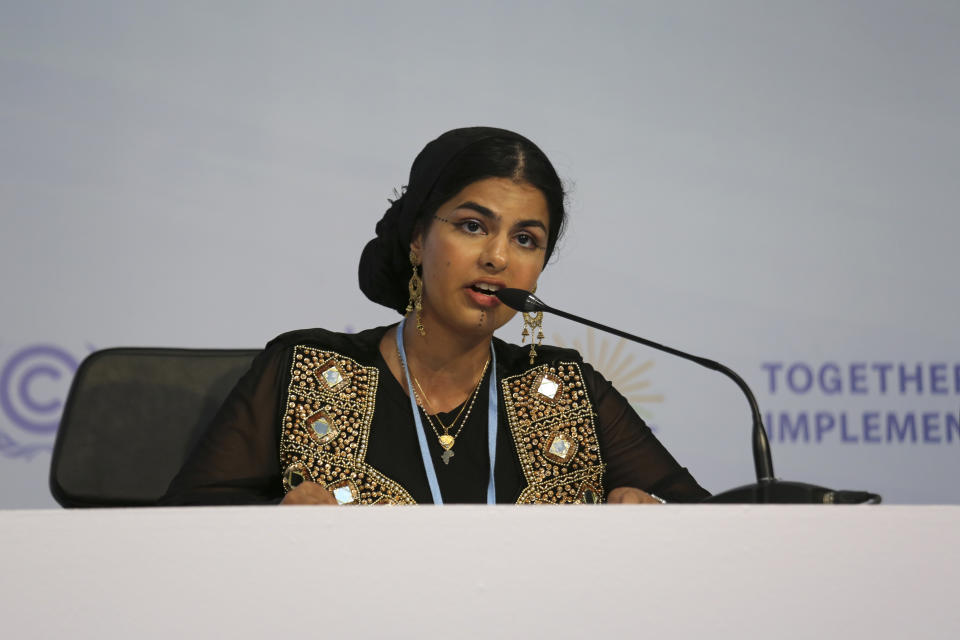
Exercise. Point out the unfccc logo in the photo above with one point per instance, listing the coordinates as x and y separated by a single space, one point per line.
33 386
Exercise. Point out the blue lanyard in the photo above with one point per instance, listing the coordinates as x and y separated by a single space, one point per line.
492 423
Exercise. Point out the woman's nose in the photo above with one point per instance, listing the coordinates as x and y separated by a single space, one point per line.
495 254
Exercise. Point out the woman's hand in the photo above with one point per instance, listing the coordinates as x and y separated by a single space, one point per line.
629 495
309 493
313 493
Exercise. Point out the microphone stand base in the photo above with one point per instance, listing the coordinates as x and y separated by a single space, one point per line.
783 492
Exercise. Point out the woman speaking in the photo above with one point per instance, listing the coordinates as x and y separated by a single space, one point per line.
435 409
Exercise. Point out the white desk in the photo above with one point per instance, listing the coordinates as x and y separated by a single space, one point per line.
453 572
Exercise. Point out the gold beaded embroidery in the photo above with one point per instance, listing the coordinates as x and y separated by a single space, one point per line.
295 474
326 428
551 419
345 491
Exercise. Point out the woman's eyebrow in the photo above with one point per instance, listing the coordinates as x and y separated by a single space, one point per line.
479 208
531 223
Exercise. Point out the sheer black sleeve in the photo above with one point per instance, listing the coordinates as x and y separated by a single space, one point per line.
634 456
237 461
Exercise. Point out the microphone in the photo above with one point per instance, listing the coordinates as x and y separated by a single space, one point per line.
767 488
520 300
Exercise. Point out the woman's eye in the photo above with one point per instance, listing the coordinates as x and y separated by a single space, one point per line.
472 226
527 240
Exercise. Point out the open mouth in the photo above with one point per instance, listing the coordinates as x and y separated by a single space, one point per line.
485 289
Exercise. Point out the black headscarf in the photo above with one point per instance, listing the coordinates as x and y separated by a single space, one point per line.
385 262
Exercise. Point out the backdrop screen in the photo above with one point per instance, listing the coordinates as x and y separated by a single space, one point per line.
771 185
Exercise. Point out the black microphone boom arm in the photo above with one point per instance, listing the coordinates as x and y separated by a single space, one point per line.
767 488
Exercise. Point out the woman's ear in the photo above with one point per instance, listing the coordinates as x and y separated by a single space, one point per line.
416 243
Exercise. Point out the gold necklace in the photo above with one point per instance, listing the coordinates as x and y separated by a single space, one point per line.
446 440
436 415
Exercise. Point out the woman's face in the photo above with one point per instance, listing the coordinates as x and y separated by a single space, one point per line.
493 234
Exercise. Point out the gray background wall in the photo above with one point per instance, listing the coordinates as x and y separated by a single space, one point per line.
762 183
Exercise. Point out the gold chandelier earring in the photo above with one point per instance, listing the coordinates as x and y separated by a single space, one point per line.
535 323
415 287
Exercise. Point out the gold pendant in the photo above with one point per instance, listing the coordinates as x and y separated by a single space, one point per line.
446 441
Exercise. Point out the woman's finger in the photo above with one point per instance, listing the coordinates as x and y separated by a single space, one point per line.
309 493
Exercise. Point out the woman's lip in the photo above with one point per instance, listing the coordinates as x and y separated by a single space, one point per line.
481 299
